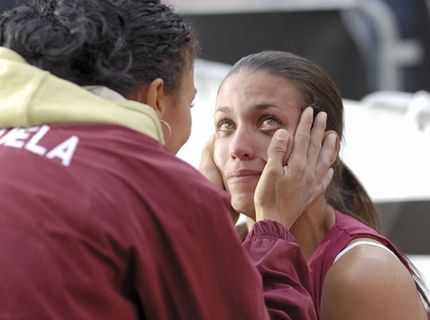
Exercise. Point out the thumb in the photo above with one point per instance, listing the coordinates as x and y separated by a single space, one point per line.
277 149
267 190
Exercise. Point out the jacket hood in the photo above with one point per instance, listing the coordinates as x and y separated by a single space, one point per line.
30 97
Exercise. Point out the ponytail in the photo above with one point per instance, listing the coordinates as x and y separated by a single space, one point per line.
347 195
354 201
357 200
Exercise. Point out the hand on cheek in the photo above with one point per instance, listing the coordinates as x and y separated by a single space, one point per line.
209 169
285 191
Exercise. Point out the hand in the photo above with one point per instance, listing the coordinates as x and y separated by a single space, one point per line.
284 192
208 168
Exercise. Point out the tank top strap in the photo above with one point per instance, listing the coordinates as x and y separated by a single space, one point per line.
358 243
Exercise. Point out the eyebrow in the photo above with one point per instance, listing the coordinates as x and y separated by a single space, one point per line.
223 110
261 106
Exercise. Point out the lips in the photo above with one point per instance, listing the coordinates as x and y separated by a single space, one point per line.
243 174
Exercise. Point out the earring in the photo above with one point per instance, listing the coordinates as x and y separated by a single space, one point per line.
169 128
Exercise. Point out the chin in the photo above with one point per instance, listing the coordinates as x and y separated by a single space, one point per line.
244 204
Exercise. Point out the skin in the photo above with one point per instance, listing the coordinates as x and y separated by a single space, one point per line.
367 282
243 134
172 106
285 189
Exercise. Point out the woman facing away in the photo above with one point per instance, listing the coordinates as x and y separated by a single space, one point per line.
98 218
357 273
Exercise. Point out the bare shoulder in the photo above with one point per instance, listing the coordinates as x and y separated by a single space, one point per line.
369 282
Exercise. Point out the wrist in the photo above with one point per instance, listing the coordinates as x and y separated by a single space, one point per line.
267 228
283 218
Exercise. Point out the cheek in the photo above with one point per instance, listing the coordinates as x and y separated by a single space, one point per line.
219 155
262 143
183 122
220 158
180 124
188 121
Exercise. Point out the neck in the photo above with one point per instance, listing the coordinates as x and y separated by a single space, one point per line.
312 226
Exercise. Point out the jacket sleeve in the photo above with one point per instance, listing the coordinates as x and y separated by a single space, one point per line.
284 270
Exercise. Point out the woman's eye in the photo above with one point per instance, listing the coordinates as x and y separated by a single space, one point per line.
269 123
192 105
225 126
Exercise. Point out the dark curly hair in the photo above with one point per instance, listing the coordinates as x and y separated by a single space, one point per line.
120 44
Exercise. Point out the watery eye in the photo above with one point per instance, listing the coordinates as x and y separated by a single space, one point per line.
269 122
225 126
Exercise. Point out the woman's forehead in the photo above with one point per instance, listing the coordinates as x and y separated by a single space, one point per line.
259 87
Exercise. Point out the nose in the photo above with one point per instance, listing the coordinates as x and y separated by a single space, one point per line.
242 145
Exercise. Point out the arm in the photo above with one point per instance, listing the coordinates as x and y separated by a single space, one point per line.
284 270
370 283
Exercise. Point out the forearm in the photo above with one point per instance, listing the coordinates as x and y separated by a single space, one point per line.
283 268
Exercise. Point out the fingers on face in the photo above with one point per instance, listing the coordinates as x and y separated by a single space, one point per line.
319 125
328 151
277 149
309 135
302 135
316 137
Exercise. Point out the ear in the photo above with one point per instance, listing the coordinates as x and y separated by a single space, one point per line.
336 148
153 95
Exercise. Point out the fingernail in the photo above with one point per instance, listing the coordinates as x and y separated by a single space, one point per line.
281 134
324 115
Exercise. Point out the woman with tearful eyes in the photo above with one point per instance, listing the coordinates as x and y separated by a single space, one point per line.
98 217
357 273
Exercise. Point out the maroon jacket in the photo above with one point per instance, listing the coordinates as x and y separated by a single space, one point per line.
98 221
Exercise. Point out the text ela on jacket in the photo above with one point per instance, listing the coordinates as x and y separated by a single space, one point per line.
30 140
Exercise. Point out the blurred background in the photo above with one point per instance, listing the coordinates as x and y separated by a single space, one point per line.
377 52
364 45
